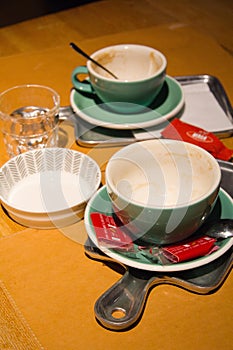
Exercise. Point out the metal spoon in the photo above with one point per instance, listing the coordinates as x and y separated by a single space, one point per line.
77 49
219 229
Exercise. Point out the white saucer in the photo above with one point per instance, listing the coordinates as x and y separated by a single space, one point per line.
101 203
167 104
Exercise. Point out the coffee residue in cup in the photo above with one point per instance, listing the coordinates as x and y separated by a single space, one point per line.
156 62
106 57
107 60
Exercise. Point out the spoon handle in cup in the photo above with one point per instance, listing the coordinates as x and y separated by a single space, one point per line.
79 50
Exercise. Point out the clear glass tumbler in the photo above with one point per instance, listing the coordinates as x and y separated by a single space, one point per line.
29 118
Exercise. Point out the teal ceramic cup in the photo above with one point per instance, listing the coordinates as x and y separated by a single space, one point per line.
162 191
140 71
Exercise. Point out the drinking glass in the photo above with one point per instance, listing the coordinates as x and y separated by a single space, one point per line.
29 118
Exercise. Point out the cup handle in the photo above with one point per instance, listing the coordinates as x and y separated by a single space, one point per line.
78 84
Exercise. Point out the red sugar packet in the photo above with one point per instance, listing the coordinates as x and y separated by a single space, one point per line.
189 249
178 130
109 234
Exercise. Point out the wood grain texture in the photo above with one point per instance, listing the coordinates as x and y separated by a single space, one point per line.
107 17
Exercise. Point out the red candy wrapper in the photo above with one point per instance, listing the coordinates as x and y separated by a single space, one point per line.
189 250
178 130
109 234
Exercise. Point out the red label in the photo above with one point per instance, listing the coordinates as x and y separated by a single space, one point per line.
200 136
190 249
178 130
109 234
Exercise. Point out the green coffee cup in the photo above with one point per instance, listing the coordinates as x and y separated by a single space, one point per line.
141 72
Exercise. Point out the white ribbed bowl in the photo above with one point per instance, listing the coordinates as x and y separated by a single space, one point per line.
48 187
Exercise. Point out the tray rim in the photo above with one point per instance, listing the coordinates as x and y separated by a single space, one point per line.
216 88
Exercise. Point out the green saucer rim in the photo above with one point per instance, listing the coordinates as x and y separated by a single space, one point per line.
226 212
86 108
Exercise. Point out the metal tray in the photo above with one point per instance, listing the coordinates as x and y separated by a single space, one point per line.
88 135
129 294
227 176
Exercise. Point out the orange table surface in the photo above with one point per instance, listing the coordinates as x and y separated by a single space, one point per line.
46 274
